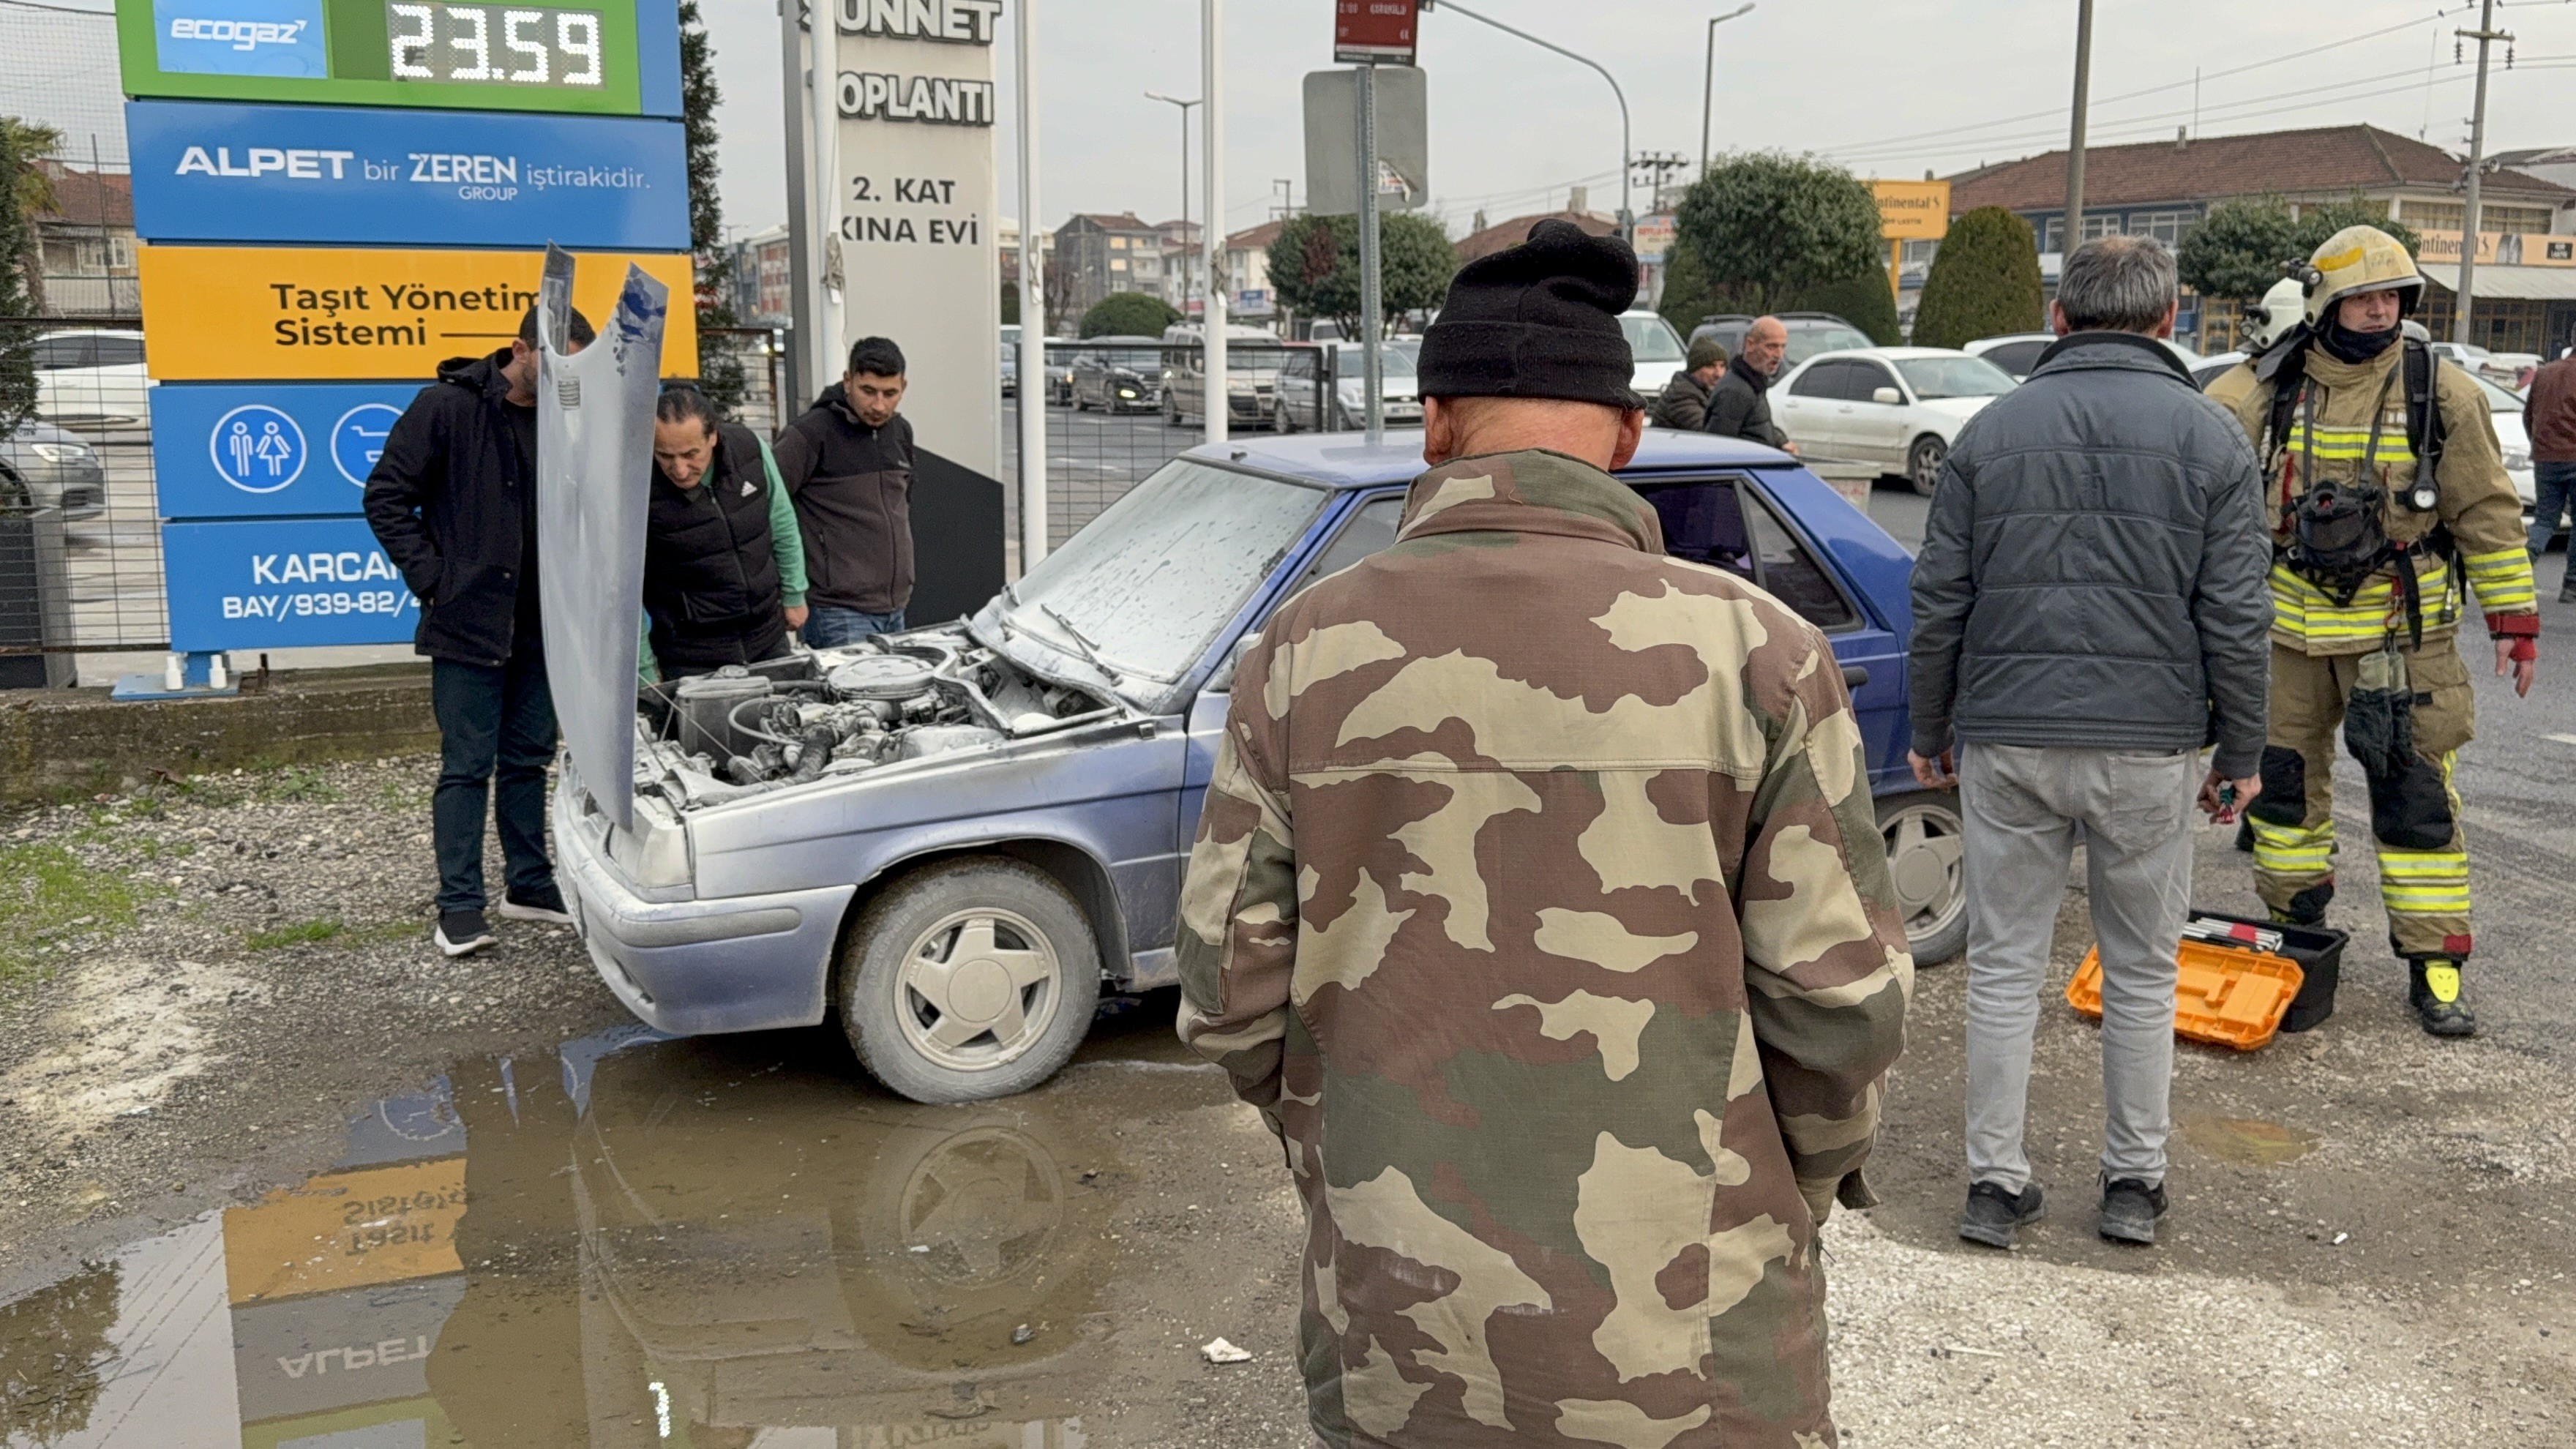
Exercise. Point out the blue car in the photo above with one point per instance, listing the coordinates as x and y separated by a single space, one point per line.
956 838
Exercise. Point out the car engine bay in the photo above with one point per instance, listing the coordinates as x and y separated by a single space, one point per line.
747 730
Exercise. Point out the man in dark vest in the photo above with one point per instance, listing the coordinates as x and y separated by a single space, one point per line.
724 564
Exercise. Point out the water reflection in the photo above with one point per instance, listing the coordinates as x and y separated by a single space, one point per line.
639 1242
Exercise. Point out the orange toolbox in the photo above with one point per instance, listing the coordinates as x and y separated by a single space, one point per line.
2227 995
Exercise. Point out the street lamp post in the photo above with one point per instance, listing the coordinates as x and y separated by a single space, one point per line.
1185 179
1708 85
1627 217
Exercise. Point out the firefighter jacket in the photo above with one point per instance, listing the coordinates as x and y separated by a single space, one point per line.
2471 543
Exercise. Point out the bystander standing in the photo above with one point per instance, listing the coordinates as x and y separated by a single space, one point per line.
2550 416
724 563
2089 611
1739 405
453 499
1683 403
847 464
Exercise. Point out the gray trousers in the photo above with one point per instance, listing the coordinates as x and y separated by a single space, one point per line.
2024 810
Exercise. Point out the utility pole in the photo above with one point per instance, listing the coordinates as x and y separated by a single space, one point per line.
1220 393
1708 82
1658 165
801 321
2075 140
1184 107
1032 367
1372 399
2485 35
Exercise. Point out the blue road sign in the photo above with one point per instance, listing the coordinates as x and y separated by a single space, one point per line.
269 450
215 171
282 584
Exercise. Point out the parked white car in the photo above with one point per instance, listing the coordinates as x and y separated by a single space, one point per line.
2507 368
2018 352
1898 407
91 376
1654 347
2504 405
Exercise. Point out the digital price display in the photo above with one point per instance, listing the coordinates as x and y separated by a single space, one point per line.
604 57
493 45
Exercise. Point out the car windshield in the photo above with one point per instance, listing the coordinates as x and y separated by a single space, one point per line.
1806 339
1394 359
1651 339
2500 399
1144 587
1942 377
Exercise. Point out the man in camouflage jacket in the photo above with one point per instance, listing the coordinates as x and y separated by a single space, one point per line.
1540 907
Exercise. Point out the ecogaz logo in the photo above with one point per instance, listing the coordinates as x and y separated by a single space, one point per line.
241 37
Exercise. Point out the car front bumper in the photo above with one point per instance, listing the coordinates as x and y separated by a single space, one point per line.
743 963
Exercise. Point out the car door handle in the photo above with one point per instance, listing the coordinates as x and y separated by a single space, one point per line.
1854 676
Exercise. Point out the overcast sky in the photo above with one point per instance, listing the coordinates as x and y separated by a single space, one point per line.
1890 87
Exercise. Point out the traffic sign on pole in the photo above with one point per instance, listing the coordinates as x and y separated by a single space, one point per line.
1378 32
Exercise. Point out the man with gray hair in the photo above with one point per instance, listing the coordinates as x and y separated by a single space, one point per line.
2089 613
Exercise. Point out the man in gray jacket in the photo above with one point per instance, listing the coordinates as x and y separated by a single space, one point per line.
2089 612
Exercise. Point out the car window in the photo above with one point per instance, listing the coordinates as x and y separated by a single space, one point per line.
1791 575
2017 358
1298 364
1865 378
1807 339
1942 377
1704 523
1824 380
2500 399
1365 532
1651 339
56 353
1715 522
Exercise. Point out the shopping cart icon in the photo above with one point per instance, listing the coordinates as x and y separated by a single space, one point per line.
358 439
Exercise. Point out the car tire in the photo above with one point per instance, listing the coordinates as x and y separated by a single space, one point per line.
1923 463
1927 866
935 1032
1171 413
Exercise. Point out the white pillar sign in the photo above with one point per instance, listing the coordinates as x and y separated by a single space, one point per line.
917 207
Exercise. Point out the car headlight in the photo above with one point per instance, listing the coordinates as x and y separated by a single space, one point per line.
64 452
2517 459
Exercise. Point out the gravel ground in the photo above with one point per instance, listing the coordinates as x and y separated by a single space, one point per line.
199 984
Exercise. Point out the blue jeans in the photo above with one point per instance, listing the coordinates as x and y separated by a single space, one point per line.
492 720
828 626
2553 486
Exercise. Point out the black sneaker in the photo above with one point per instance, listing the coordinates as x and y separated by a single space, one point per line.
545 903
462 933
2567 592
2441 1003
2130 1209
1994 1216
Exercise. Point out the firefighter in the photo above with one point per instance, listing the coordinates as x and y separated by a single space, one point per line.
2391 513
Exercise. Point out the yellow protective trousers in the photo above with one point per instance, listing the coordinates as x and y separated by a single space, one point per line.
2415 810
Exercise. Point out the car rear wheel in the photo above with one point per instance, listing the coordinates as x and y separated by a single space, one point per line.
1923 463
1926 863
968 980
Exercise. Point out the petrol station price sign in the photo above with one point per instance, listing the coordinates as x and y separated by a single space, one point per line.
606 57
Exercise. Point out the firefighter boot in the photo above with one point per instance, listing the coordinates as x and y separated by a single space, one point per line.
2434 990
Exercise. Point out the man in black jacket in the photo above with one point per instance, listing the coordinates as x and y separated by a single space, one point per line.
1683 403
724 565
2090 608
848 465
453 499
1739 405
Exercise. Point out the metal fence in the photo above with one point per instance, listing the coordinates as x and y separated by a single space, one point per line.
1119 408
80 526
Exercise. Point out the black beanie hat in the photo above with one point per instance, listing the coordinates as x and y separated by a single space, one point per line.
1540 319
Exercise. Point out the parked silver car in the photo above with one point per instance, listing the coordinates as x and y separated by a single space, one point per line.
46 467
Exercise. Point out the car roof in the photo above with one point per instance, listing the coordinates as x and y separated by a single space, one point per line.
1347 460
2000 338
1885 354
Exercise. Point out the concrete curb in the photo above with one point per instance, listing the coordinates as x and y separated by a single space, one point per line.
58 745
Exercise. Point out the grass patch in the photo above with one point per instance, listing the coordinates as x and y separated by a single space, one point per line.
46 894
301 933
297 785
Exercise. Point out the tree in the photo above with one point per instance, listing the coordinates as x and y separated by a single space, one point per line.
2243 247
1686 296
1315 266
19 268
33 189
1129 314
720 370
1010 301
1984 281
1864 302
1764 226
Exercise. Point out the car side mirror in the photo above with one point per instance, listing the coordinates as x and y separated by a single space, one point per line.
1887 395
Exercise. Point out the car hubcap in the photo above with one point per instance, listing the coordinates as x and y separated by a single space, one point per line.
1924 863
982 1206
1927 465
978 989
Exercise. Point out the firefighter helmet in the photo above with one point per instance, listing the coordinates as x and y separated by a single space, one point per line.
2355 260
2281 309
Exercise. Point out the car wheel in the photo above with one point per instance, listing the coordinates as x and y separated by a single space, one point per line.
1171 412
1923 463
968 980
1925 863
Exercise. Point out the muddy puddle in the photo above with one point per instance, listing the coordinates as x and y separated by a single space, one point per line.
635 1241
2247 1141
